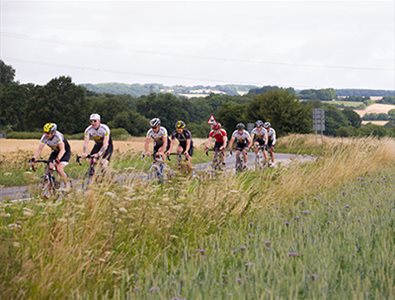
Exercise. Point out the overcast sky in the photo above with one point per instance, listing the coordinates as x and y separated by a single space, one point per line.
303 44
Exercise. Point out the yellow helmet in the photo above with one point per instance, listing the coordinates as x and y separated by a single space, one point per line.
50 127
180 125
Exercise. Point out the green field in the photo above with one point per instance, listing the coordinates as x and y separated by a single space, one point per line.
351 104
315 230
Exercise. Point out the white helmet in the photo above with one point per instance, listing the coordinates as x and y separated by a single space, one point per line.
94 117
155 122
267 125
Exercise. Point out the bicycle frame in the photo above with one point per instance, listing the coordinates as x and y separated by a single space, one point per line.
88 177
216 162
49 185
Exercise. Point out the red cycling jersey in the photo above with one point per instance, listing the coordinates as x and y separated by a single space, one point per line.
218 135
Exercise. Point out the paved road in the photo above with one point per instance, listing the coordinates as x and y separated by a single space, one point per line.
22 192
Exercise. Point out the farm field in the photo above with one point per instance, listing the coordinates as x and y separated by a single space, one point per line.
293 232
379 123
135 144
375 108
350 104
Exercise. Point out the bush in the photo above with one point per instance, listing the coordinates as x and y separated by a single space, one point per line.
23 135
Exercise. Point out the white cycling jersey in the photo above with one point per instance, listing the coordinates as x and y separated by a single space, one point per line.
54 142
241 137
272 135
162 132
97 134
259 133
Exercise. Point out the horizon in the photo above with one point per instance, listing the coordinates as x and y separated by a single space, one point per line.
299 44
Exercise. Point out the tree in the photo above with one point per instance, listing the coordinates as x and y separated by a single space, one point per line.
59 101
132 121
7 73
230 114
283 110
353 117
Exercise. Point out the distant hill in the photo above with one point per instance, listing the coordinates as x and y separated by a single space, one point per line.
188 91
138 90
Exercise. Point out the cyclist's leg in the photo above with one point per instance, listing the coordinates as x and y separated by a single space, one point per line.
107 156
60 169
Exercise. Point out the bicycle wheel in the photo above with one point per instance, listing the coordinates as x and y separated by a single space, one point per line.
47 187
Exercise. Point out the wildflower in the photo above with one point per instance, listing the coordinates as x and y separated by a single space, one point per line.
13 226
267 243
154 289
286 223
201 251
123 210
293 254
296 218
110 194
249 264
314 277
346 206
27 212
306 212
238 280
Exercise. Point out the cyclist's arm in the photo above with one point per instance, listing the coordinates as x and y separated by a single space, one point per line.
105 145
274 139
249 139
62 151
39 150
164 145
188 145
225 141
146 144
266 138
230 143
86 142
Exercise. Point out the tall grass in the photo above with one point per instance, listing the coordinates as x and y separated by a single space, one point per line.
123 240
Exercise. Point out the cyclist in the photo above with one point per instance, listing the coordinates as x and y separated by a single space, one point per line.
243 141
160 137
184 138
60 154
101 134
260 138
271 141
221 139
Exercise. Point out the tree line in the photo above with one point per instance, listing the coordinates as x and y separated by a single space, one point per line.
26 107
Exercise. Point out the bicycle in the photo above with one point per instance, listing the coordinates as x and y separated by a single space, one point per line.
49 185
88 177
182 163
240 165
216 163
260 161
156 170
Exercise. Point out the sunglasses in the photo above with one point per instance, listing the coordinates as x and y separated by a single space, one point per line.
93 121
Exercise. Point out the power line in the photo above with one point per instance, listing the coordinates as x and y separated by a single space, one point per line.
150 52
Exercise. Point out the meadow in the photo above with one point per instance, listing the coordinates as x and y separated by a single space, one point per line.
323 229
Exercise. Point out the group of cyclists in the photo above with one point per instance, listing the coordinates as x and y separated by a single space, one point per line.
263 136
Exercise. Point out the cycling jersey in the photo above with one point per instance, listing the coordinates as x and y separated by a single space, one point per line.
218 135
241 137
157 136
98 134
182 139
259 133
53 143
272 136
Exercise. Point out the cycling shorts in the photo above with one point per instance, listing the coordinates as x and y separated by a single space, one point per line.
107 155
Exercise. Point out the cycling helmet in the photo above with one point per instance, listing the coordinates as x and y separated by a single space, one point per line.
180 125
240 126
259 123
216 126
50 127
94 117
267 125
155 122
